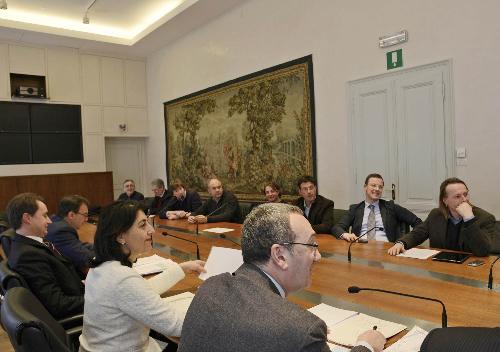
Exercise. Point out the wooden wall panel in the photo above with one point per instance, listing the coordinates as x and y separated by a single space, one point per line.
44 185
96 186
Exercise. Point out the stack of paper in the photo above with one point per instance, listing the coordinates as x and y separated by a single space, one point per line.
151 265
345 326
181 301
222 260
218 230
331 315
418 253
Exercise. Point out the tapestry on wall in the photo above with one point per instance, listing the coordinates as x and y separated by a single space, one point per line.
246 132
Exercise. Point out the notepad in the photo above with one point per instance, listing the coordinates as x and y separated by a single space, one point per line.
345 326
153 264
222 260
346 332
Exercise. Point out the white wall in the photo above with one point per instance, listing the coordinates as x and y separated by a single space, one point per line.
343 38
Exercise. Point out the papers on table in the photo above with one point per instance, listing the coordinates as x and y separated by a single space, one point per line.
337 348
151 265
345 326
222 260
218 230
181 301
331 315
346 332
411 342
418 253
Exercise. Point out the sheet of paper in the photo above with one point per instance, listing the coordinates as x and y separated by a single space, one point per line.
411 342
331 315
346 332
151 265
222 260
418 253
337 348
181 301
218 230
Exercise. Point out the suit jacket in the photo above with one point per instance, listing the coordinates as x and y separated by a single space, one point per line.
226 209
51 278
462 339
134 196
391 213
160 202
190 203
320 215
479 235
65 239
244 312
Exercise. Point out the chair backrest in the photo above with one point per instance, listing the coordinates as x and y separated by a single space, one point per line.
9 278
4 223
338 214
29 325
6 240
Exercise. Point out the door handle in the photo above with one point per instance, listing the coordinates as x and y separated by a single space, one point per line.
393 191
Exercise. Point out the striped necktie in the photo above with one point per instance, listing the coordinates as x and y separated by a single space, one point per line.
371 223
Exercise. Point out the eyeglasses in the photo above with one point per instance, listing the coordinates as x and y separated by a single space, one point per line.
313 245
85 215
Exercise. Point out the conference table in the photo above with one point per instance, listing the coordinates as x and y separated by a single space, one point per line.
462 288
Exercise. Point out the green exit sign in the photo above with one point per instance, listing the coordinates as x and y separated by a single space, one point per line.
394 59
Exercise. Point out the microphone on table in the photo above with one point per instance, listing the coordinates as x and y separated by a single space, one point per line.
444 317
490 278
357 240
223 236
185 239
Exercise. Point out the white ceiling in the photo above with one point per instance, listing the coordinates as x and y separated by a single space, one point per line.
125 27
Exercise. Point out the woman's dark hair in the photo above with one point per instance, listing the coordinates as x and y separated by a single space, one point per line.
114 220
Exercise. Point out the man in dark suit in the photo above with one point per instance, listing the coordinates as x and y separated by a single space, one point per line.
50 276
162 196
373 211
221 206
317 209
462 339
247 310
455 225
182 203
73 212
129 192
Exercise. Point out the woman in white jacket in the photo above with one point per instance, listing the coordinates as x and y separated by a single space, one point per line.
120 306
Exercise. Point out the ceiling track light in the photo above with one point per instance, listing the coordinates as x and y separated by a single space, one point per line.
3 5
85 19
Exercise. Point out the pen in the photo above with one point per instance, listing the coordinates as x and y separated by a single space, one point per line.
375 327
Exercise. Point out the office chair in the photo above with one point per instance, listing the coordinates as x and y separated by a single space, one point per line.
31 327
6 240
9 278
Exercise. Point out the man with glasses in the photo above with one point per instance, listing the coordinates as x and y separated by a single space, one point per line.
386 216
248 310
73 212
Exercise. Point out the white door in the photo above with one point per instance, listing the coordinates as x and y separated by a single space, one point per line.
125 158
402 128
